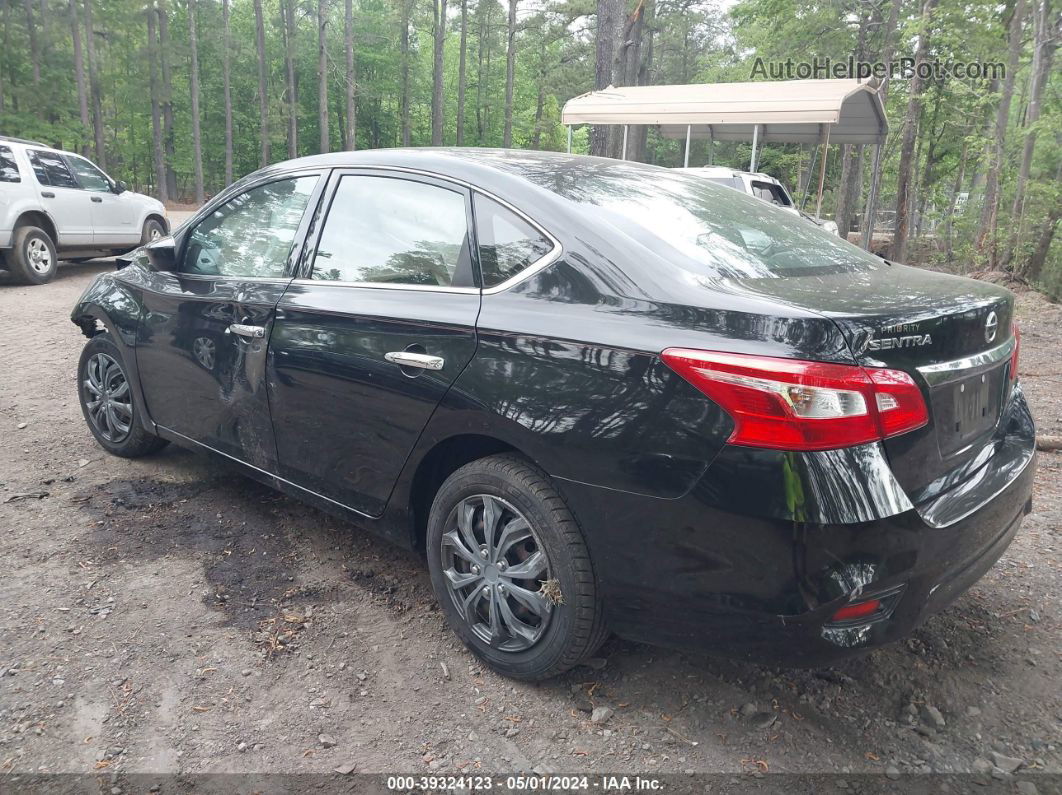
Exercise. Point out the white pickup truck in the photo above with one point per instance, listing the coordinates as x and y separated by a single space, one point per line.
57 205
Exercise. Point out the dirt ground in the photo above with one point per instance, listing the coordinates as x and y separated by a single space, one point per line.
169 615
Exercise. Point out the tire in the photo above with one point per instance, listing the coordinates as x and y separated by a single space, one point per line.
32 259
153 230
568 626
120 430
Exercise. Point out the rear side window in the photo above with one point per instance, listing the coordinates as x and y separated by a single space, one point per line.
51 170
770 193
507 243
8 167
386 230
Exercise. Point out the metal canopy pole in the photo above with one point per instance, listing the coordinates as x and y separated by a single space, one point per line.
624 142
569 139
686 157
755 140
711 145
822 173
872 199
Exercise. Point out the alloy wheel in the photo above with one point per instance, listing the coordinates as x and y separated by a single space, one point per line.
39 255
154 234
495 569
105 392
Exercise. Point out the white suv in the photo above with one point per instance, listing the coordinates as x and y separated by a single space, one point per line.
762 186
57 205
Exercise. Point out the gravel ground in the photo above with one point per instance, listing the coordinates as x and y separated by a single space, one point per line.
168 615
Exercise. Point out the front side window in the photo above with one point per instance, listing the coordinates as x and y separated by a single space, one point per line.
8 166
50 169
387 230
251 235
91 178
507 243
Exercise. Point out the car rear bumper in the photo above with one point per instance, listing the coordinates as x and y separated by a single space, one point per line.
693 573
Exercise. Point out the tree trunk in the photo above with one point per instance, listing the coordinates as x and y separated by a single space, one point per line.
94 87
956 186
439 7
986 231
875 170
322 75
608 12
35 50
462 77
197 133
540 97
480 40
403 46
908 139
1045 40
291 97
1035 266
156 114
167 100
263 96
352 109
226 77
510 66
79 72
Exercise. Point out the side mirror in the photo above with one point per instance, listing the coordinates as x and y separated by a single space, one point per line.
162 254
120 187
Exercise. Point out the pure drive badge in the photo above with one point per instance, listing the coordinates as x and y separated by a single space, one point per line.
906 341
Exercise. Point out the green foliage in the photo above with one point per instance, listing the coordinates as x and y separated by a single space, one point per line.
682 41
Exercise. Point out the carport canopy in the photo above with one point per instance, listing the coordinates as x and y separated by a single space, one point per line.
788 111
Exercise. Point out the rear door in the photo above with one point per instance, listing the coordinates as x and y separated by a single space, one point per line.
62 198
369 339
114 218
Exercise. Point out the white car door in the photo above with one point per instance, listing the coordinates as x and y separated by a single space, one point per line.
69 207
114 217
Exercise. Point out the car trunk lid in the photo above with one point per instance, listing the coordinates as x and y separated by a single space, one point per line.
953 335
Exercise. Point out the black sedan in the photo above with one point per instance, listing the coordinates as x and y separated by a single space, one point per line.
600 396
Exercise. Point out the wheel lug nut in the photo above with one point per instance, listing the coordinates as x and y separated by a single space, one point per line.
483 553
475 569
501 565
486 590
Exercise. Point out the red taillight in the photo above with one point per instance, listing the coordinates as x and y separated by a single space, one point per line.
1014 354
857 610
788 404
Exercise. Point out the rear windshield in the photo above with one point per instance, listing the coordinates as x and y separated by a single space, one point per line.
711 231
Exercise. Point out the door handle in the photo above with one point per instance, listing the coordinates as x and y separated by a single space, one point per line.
97 199
422 360
254 332
47 194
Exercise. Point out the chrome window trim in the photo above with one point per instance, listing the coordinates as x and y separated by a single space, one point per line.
944 371
542 262
433 288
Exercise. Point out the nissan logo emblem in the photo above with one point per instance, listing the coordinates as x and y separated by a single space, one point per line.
991 326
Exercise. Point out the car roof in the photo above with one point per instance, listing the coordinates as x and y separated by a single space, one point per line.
724 171
22 143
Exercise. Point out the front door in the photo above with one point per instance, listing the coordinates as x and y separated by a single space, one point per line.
69 207
367 343
202 339
114 216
